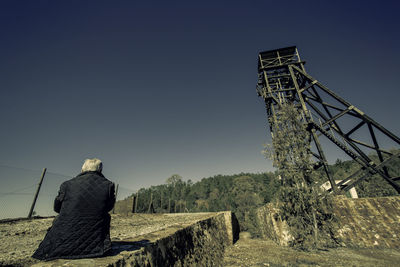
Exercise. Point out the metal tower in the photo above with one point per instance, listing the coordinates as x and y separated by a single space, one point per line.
282 78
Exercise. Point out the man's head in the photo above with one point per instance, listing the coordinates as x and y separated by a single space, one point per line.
92 165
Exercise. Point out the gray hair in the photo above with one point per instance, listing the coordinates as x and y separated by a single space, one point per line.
92 165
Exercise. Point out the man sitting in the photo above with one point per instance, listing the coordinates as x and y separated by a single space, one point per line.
82 228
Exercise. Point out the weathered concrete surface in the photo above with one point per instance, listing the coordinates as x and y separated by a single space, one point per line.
363 222
188 239
369 222
272 226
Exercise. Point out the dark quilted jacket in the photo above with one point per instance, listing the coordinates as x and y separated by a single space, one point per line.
82 229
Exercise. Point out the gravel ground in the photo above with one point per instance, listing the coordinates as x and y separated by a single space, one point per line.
19 239
259 252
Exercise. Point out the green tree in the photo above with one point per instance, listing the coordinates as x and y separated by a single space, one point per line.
174 179
304 206
246 193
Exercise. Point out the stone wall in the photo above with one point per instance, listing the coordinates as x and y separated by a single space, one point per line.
363 222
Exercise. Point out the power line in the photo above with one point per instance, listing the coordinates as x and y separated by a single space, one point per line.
60 174
18 168
16 191
14 194
127 189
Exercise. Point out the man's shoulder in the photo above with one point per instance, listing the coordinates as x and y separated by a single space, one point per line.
85 176
92 175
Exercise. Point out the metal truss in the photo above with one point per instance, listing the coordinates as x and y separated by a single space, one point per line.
282 78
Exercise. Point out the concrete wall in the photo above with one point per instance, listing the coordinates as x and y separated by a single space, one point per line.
369 222
271 225
186 239
200 244
363 222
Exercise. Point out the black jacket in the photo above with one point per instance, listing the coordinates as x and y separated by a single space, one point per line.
82 229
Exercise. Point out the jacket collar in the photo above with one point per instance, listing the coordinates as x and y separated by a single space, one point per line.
91 172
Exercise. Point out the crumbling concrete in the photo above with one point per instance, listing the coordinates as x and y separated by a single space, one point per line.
369 222
190 239
272 226
363 222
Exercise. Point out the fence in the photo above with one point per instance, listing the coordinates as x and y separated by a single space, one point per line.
18 187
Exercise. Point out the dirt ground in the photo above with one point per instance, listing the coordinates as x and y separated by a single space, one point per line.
259 252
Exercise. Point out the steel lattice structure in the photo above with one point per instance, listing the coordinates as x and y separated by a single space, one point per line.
282 78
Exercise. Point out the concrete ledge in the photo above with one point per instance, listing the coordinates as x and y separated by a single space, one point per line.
363 222
369 222
197 239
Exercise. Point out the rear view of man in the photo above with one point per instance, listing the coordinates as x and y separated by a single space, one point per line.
82 228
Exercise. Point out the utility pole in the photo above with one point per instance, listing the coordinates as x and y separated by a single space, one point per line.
116 194
136 202
133 204
161 208
151 207
37 193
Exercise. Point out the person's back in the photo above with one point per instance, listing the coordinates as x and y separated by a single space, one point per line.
88 194
82 228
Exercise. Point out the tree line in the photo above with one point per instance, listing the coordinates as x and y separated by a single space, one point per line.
241 193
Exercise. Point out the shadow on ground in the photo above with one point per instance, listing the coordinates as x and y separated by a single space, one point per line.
119 246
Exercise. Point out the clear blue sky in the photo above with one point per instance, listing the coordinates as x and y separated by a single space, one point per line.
155 88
